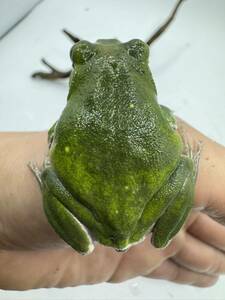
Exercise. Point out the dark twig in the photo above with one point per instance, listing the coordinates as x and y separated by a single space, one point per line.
71 36
165 25
54 74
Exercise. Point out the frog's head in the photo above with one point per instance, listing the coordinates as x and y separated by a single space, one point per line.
108 59
85 52
107 52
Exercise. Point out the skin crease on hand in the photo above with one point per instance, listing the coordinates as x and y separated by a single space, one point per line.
33 256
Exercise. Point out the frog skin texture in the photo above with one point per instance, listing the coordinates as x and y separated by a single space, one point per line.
117 168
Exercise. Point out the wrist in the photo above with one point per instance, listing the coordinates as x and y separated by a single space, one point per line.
209 192
23 222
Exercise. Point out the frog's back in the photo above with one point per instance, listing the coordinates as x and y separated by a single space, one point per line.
112 147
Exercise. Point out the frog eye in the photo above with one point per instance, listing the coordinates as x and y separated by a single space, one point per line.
138 49
81 52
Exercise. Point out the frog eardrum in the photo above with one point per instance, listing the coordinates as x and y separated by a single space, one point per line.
117 169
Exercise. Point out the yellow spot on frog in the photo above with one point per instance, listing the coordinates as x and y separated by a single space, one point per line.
67 149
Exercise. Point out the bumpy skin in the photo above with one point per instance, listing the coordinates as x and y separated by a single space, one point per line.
117 168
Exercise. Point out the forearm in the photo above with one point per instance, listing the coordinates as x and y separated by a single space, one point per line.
22 220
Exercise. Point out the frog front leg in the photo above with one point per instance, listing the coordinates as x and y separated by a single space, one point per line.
66 225
60 208
51 133
169 116
175 215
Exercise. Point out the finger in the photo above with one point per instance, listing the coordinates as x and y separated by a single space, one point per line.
191 218
168 270
208 231
143 258
200 257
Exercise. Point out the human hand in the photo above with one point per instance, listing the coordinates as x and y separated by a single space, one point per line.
195 256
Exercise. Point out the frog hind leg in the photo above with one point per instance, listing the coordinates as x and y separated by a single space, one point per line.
158 204
176 214
66 225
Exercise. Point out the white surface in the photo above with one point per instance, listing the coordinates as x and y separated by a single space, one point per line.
188 65
11 11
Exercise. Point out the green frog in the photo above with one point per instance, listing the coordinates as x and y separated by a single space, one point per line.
117 168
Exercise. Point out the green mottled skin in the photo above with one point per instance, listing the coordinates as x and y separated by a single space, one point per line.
116 161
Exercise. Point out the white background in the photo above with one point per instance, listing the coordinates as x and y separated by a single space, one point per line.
12 11
188 65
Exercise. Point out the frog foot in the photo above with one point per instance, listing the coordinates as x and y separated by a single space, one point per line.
192 150
35 170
